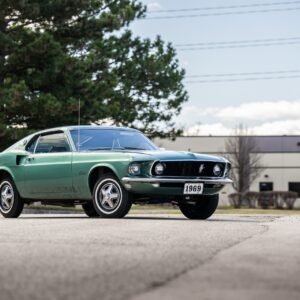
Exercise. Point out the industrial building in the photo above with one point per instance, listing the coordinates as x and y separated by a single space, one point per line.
280 159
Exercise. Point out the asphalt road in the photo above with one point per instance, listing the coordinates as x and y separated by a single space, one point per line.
140 257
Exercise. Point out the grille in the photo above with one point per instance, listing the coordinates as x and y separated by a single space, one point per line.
189 168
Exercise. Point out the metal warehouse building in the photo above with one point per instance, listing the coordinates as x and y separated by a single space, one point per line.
280 159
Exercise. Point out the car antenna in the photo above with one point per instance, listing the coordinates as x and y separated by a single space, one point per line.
79 115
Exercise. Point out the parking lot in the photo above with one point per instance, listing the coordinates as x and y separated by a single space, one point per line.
150 257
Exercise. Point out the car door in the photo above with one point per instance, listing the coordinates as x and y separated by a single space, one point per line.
48 170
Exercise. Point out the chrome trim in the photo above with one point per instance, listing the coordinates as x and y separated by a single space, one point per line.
36 143
226 169
175 180
70 140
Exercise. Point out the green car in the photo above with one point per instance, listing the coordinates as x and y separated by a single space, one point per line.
106 170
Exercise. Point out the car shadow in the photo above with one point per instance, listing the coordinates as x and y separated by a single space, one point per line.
188 220
142 218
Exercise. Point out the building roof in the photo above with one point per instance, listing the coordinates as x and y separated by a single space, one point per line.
216 144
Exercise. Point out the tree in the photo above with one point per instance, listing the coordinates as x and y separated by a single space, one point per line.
246 161
53 53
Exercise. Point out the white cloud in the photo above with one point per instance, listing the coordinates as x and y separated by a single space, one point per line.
153 6
189 115
278 127
268 128
185 63
251 114
264 110
208 129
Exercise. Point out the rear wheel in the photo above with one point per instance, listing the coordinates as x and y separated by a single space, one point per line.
90 210
11 204
110 198
200 207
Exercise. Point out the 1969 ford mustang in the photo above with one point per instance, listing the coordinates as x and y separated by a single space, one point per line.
106 169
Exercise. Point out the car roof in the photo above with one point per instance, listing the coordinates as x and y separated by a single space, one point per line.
76 127
98 127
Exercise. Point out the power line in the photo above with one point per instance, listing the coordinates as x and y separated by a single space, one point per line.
266 4
222 14
242 79
238 42
243 74
239 46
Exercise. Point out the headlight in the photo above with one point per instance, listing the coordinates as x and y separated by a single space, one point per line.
159 169
134 169
217 170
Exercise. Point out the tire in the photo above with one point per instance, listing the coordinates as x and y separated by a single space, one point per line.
202 209
90 210
11 204
110 198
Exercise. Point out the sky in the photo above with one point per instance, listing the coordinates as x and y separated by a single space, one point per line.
269 106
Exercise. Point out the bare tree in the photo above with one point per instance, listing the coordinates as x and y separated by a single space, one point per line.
243 153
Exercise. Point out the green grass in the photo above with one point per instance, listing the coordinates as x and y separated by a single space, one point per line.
257 211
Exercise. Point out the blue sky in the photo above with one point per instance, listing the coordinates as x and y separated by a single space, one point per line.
265 106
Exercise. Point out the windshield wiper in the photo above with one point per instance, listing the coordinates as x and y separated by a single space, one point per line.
115 148
99 148
130 148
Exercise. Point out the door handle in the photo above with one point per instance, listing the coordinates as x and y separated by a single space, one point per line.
30 158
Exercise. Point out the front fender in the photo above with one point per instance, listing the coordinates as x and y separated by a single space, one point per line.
19 183
5 169
105 165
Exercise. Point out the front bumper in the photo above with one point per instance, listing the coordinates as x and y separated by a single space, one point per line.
221 181
171 186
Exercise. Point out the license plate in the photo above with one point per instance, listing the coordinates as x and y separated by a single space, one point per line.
193 189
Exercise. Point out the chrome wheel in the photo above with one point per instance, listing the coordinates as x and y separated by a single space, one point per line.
108 195
7 196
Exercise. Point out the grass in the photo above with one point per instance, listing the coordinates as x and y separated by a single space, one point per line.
257 211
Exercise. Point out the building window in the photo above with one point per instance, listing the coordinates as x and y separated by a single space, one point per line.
294 187
266 186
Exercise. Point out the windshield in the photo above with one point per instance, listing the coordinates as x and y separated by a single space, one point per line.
110 139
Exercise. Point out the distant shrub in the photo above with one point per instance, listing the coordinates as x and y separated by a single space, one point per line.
235 200
266 199
251 198
286 199
277 199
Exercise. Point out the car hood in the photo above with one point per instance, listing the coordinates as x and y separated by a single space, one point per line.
175 155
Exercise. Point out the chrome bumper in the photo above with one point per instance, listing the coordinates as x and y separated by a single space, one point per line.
176 180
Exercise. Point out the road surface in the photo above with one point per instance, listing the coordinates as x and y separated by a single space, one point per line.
150 257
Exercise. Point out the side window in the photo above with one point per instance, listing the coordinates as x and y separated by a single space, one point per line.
52 143
31 145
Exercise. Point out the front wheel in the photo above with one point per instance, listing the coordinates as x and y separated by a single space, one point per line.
110 198
200 207
11 204
90 210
